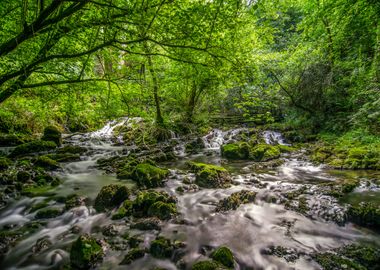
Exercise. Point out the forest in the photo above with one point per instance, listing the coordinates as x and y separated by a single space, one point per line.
190 134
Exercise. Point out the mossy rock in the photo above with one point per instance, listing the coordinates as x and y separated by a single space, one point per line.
49 213
10 140
32 147
147 224
124 210
46 163
133 254
149 176
110 196
224 256
235 151
86 252
210 176
264 152
73 201
366 255
207 265
235 200
52 134
365 214
64 157
4 163
36 190
154 203
331 261
23 176
162 210
161 248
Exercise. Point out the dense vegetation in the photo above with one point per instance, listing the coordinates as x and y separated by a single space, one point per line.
312 64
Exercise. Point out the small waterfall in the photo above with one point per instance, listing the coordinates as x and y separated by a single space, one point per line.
217 137
274 137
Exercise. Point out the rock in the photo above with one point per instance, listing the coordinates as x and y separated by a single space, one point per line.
23 176
236 151
32 147
149 176
46 163
264 152
7 241
207 265
366 255
162 210
48 213
365 214
224 256
235 200
124 210
210 176
86 252
52 134
133 254
145 224
74 200
110 230
41 245
161 248
9 140
67 157
110 196
154 203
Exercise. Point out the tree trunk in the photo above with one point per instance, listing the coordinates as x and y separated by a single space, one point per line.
159 119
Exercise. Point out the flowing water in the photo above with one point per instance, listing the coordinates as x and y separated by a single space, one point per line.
248 231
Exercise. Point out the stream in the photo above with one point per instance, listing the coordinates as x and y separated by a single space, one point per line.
248 231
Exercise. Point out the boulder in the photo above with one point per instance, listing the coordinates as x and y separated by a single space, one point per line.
224 256
52 134
110 196
86 252
32 147
210 176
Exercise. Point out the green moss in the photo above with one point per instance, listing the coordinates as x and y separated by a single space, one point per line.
162 210
72 201
85 252
330 261
32 147
153 203
210 176
67 157
235 200
207 265
133 254
52 133
48 213
224 256
235 150
35 190
365 214
161 248
367 256
46 162
38 206
264 152
149 176
4 163
110 196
